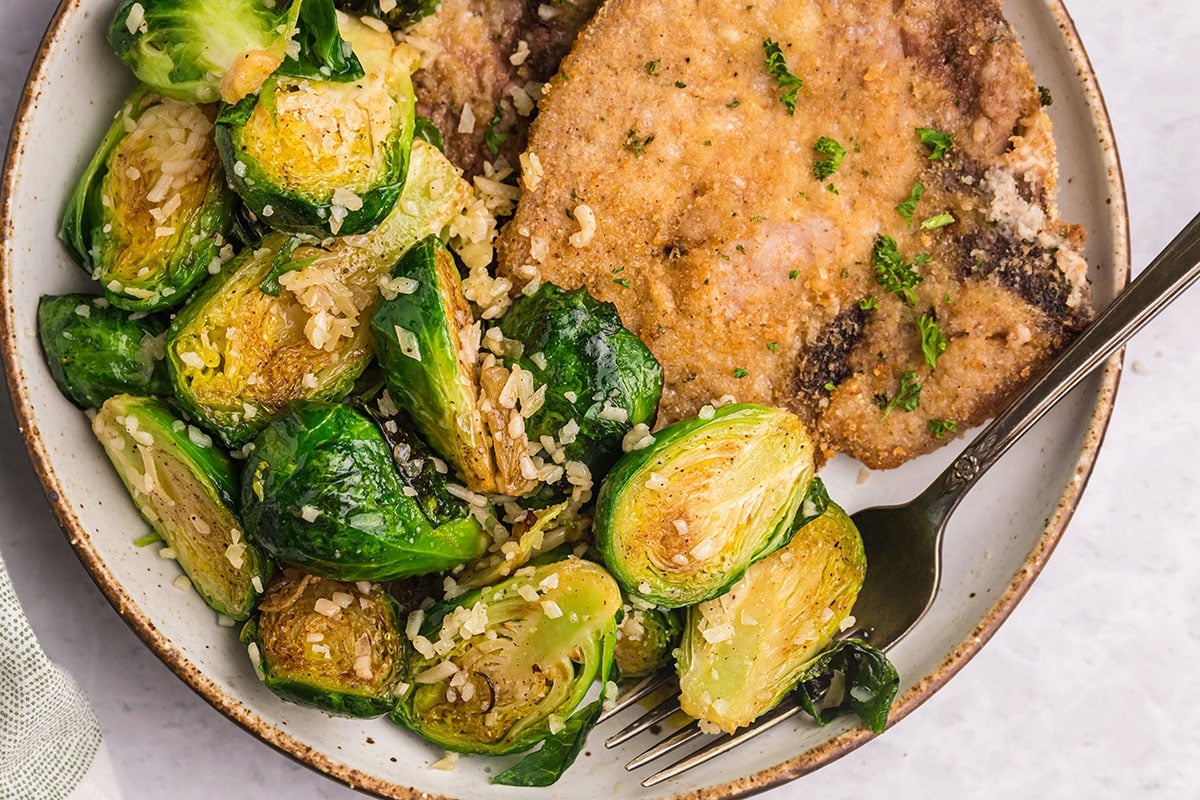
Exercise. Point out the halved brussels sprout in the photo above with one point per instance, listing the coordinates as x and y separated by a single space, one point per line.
680 521
320 491
336 646
184 487
599 377
743 651
192 49
149 213
324 157
286 321
646 638
427 342
95 351
399 14
503 667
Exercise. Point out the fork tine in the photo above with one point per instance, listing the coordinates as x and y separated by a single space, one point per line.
655 715
764 724
646 686
676 740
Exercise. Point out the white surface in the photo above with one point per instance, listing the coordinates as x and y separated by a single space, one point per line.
1084 693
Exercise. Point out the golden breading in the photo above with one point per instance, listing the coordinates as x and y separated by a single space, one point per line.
745 273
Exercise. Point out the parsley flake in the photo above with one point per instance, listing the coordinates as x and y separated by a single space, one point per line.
908 396
636 144
740 373
773 347
891 270
868 303
829 387
937 221
909 206
1044 96
939 143
784 79
933 344
832 189
793 274
619 280
652 67
834 154
940 427
492 138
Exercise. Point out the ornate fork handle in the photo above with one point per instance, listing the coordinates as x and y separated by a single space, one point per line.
1173 271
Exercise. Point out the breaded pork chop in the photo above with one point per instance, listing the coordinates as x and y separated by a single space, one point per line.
493 56
675 184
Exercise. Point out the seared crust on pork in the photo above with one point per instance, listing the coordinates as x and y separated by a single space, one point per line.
749 276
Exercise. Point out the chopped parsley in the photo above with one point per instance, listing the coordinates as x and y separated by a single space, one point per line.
619 280
652 67
937 221
740 373
829 387
834 154
793 274
1044 96
909 206
908 396
773 347
733 103
892 272
636 144
939 143
680 85
868 303
940 427
933 344
784 79
492 138
832 189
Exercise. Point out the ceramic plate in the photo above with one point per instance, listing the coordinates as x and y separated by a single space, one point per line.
997 543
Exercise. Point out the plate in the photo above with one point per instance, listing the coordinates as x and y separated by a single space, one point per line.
997 543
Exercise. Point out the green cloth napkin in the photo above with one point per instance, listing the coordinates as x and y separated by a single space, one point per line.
50 745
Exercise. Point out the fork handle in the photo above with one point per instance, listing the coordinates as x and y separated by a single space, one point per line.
1172 272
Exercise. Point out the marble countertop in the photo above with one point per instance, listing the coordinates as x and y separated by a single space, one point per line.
1086 692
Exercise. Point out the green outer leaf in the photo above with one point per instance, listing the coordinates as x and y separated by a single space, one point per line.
333 459
83 210
189 45
434 386
322 57
227 589
871 684
628 477
589 352
106 353
298 209
427 130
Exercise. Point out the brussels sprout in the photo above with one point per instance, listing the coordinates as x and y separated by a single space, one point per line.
599 377
184 487
400 13
502 667
336 646
319 490
238 354
323 157
193 49
95 351
149 213
427 342
646 638
680 521
743 651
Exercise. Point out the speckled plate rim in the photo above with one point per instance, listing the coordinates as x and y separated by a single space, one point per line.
789 770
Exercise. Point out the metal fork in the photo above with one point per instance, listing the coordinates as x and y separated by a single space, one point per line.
904 543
